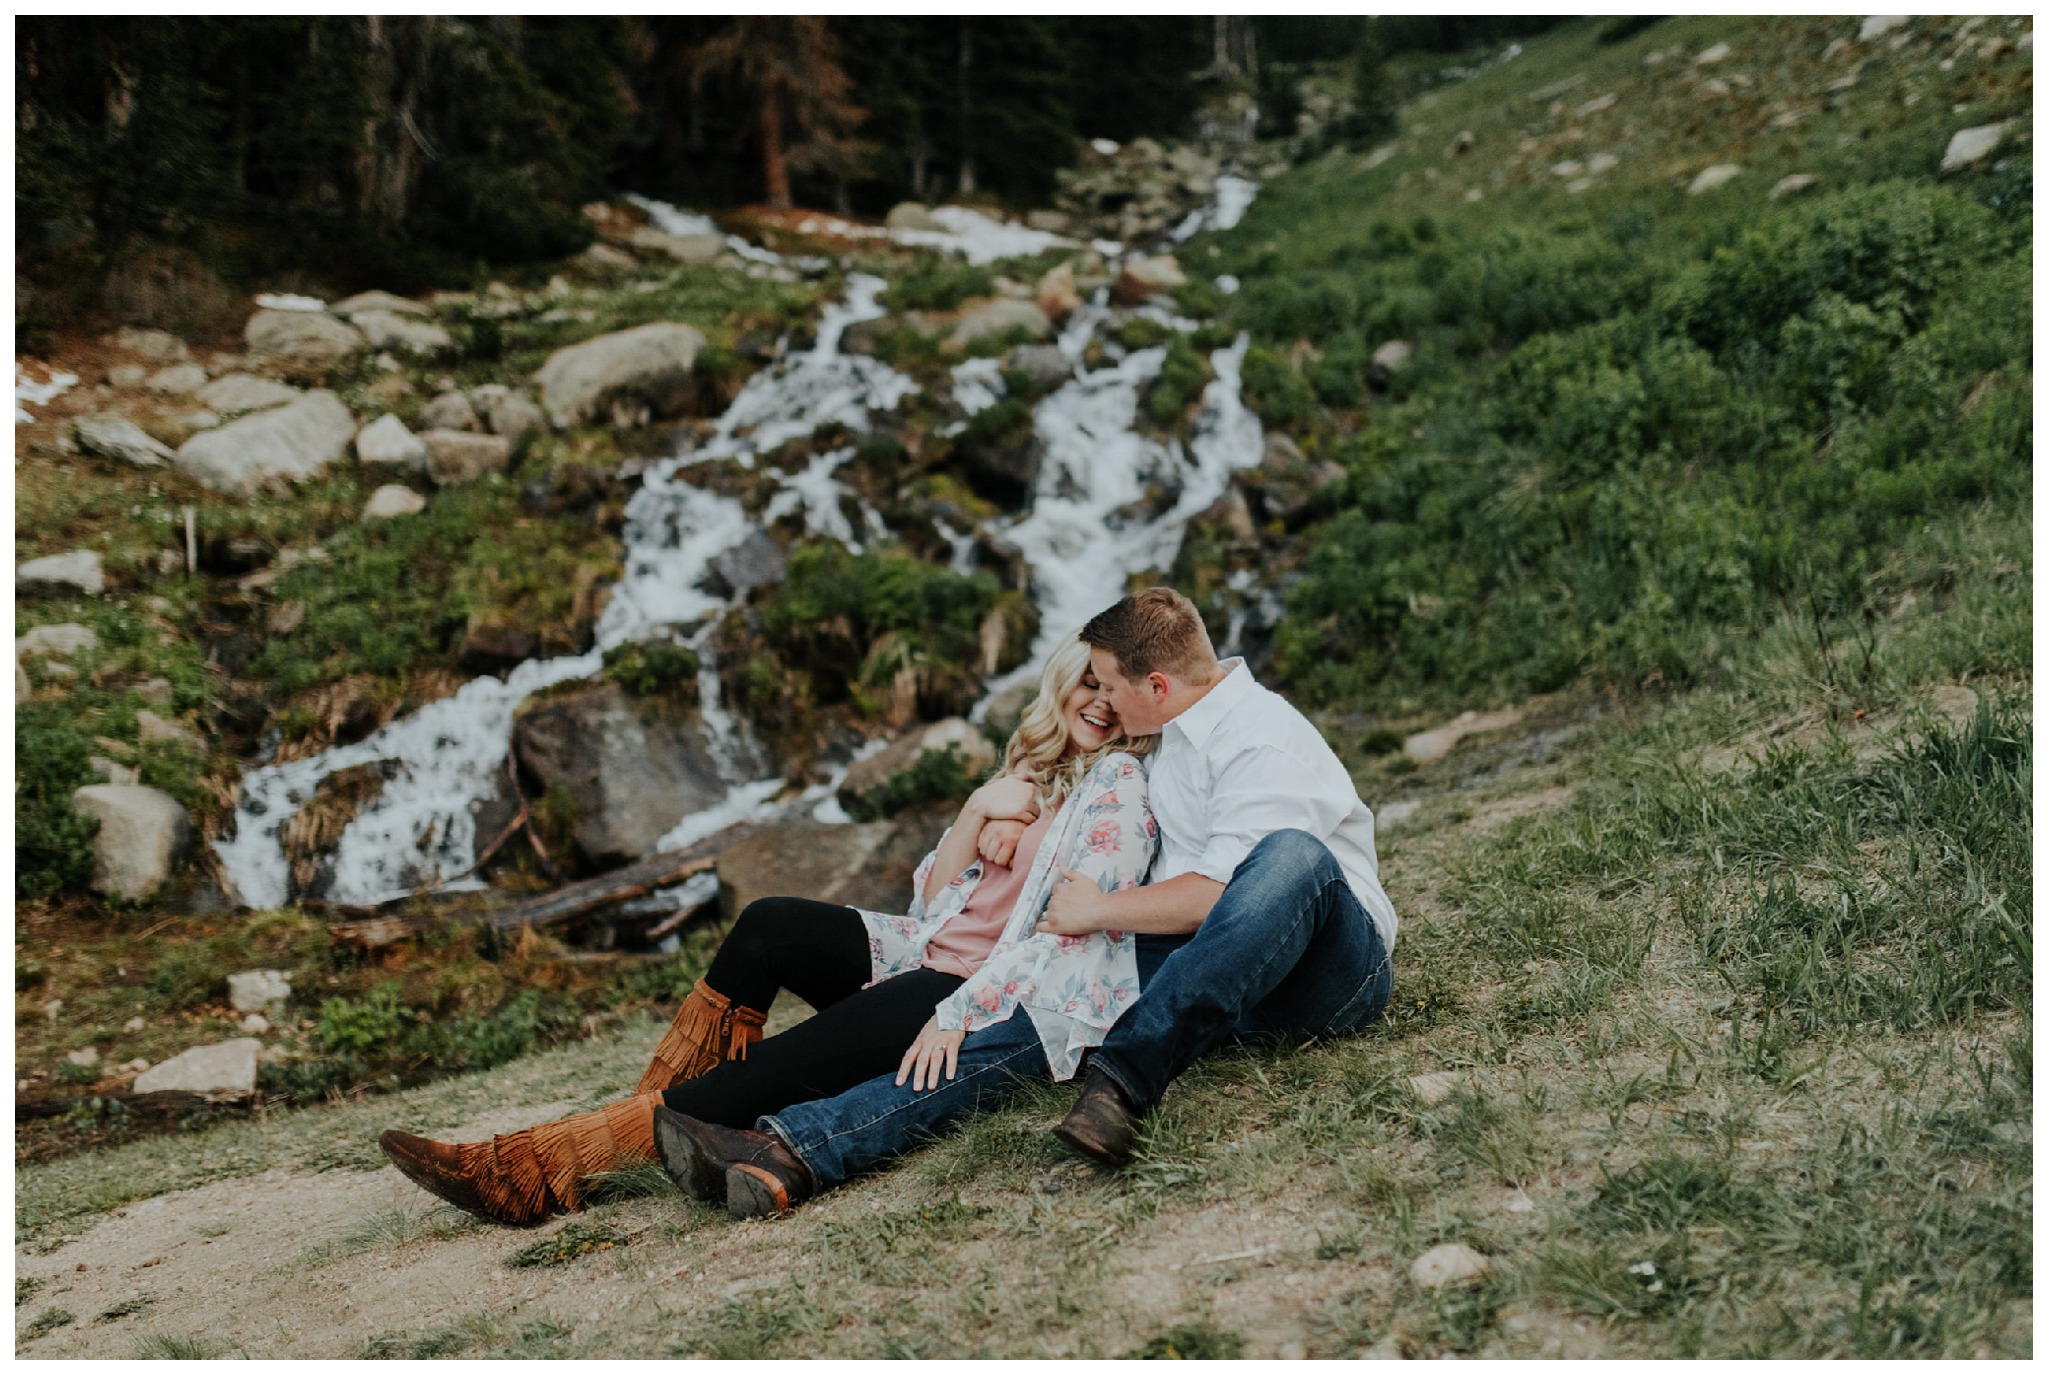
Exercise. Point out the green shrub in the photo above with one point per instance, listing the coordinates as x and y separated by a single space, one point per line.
1276 391
1182 375
52 842
354 1028
937 776
653 667
938 281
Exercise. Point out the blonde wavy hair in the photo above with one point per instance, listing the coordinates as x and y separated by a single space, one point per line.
1042 741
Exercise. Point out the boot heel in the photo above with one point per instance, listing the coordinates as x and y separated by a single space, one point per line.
693 1171
751 1191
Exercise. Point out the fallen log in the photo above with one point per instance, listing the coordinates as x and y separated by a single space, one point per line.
164 1103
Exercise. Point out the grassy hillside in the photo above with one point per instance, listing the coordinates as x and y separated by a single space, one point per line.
1640 424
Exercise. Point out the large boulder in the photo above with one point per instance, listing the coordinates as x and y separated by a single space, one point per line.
868 777
388 329
1140 281
992 319
1973 145
300 343
283 445
61 575
633 767
1286 482
386 442
684 248
506 410
866 865
241 391
649 366
142 833
755 561
56 641
455 456
117 437
223 1071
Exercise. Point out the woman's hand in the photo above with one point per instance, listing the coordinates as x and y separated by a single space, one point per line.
1012 797
932 1046
997 842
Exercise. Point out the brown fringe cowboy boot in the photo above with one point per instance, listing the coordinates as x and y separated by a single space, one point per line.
530 1175
708 1030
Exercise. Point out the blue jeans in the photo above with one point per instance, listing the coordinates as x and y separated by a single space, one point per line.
1286 950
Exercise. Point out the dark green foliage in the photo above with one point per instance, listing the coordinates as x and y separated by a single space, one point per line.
938 281
1195 1342
879 590
648 668
382 1029
52 842
937 776
1182 376
1276 390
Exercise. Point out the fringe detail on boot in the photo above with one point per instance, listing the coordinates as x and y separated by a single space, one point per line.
707 1031
539 1170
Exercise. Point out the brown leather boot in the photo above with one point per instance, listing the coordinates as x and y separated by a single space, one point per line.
704 1159
528 1176
1103 1122
708 1031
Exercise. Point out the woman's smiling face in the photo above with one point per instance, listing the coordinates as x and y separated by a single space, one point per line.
1091 722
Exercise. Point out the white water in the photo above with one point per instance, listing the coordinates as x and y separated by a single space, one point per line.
978 238
30 392
451 754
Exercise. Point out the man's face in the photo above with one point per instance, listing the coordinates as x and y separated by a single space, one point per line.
1139 703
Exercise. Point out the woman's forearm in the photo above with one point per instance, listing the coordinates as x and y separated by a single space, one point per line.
956 851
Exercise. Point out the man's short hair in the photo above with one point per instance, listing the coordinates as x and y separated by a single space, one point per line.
1155 631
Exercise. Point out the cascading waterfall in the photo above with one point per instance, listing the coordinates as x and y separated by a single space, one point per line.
1087 530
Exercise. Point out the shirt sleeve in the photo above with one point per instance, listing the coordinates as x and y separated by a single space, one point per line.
1258 791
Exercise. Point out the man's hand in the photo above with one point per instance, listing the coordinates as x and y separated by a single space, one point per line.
933 1046
998 840
1077 907
1009 798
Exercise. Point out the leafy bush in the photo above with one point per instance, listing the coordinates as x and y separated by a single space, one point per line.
652 667
937 776
1181 378
1276 391
353 1028
938 281
52 842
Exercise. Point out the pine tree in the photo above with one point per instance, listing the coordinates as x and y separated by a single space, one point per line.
804 111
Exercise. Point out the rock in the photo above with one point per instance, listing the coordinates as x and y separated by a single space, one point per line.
911 215
56 641
861 865
755 561
1602 162
53 1009
506 410
602 257
1230 513
158 692
1720 174
1044 364
492 644
133 1024
1876 26
127 375
1792 185
379 301
258 990
285 617
1451 1263
1049 221
633 766
455 457
1146 278
1461 145
280 446
391 501
1570 167
1286 483
153 344
223 1071
88 1057
107 771
152 729
255 1024
387 391
387 442
1388 359
142 833
1972 145
241 391
651 365
61 575
23 688
1428 746
1708 56
1006 708
1596 105
998 317
300 343
684 248
387 329
871 774
192 422
117 437
1057 295
180 379
451 410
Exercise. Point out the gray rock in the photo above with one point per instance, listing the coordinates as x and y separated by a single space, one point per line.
387 442
56 642
1146 278
115 436
634 767
1718 53
1451 1263
127 375
1388 359
650 365
755 561
999 317
283 445
1973 145
454 456
255 1024
870 775
142 833
602 257
1286 483
180 379
153 344
379 302
1006 708
241 391
152 729
259 990
911 215
1720 174
1434 1087
158 692
107 771
391 501
387 329
1044 364
451 410
226 1070
861 865
300 343
86 1058
1049 221
507 410
1878 25
684 248
1792 185
61 575
192 422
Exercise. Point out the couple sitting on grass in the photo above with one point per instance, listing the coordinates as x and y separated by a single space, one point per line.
1163 826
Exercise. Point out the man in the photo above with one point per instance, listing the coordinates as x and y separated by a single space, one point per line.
1264 916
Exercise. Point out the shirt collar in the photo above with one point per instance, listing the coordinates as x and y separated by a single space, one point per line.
1199 720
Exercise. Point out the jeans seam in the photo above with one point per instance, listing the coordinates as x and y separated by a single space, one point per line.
1333 1026
826 1141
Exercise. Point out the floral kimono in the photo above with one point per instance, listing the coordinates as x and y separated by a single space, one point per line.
1072 987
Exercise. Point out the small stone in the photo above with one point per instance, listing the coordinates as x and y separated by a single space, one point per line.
255 1024
56 641
1601 162
87 1057
107 771
152 729
156 691
78 571
127 375
451 410
285 617
1973 145
241 391
1451 1263
133 1024
1148 277
1792 185
117 437
385 440
379 300
1714 89
1521 1203
391 501
455 456
152 344
258 989
506 410
53 1009
135 1066
1720 174
180 379
911 215
388 329
225 1070
1878 25
23 688
1570 167
1719 52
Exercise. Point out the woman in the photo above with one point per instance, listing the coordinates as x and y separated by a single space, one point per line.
875 979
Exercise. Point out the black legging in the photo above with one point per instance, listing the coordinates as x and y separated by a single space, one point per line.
818 951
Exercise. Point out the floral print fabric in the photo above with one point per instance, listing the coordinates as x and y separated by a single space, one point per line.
1072 987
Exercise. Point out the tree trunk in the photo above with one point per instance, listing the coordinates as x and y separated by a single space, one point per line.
774 166
966 109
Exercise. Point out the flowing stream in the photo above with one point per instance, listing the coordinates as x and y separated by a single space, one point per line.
1109 501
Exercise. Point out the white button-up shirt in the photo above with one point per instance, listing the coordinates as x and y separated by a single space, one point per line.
1241 764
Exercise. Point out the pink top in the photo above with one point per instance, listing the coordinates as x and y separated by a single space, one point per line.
964 942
